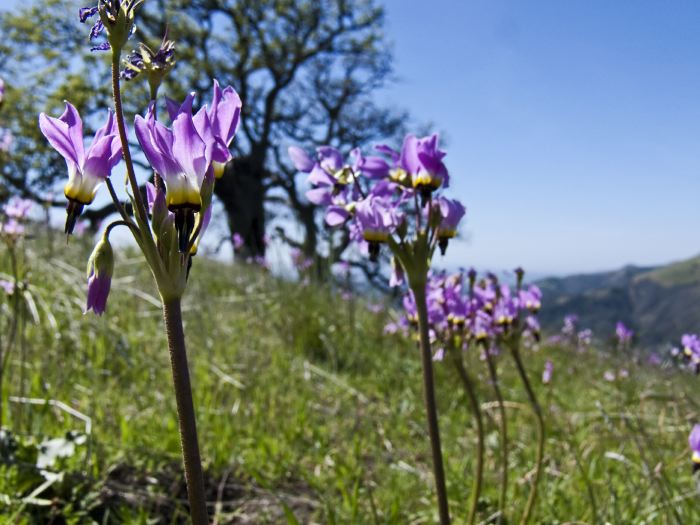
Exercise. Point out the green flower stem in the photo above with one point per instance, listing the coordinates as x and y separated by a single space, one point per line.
539 460
503 431
431 410
194 477
468 385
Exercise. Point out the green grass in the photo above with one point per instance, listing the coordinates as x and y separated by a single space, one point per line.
305 409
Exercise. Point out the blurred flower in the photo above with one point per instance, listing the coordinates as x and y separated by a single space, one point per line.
2 91
18 208
86 171
6 140
694 442
7 286
624 335
377 218
609 375
237 241
451 212
12 229
654 359
547 373
300 261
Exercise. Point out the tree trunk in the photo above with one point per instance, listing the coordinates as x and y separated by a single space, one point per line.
242 193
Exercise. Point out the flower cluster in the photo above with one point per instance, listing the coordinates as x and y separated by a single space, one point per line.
117 16
465 312
571 336
375 196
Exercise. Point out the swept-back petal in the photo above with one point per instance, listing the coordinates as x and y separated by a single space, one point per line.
56 132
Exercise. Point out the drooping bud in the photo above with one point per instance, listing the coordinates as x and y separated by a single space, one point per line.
100 268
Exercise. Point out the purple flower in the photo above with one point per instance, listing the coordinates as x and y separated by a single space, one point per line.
569 328
585 338
694 443
422 161
225 116
7 286
451 211
180 156
2 90
624 335
86 171
300 159
609 375
547 373
531 299
377 219
12 229
99 272
237 241
18 208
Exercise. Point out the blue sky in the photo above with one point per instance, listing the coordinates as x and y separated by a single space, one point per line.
573 128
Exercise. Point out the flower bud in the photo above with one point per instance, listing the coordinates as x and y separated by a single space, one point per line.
100 268
117 16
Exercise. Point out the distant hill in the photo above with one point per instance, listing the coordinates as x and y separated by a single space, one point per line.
658 303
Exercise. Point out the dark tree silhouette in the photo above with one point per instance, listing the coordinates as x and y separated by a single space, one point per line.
307 72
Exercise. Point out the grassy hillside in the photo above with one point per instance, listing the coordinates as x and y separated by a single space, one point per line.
307 413
660 304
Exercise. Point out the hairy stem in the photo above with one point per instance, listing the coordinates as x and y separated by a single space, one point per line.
532 498
503 431
468 385
185 412
141 213
430 408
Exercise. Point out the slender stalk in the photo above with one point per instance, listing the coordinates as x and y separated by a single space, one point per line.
116 200
194 477
141 213
10 342
532 498
430 408
468 385
503 431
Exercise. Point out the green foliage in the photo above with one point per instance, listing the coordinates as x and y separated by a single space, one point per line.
307 413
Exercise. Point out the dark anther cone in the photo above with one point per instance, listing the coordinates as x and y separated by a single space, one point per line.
184 224
442 244
73 211
374 251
